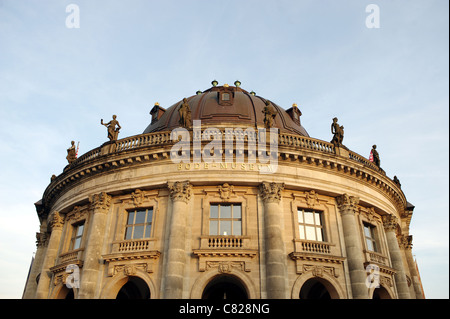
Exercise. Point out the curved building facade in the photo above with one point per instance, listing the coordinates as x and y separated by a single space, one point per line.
224 195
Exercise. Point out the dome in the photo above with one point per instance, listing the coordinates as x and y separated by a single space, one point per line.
225 105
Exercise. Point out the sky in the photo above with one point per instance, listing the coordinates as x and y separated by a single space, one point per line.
388 85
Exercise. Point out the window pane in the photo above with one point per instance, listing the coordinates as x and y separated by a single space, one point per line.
148 231
226 96
237 211
367 231
138 232
310 233
214 211
300 216
128 232
80 230
140 217
213 227
302 232
317 219
369 245
309 218
237 228
149 215
225 227
225 211
77 243
319 234
130 218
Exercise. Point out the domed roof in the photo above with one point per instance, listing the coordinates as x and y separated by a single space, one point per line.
227 105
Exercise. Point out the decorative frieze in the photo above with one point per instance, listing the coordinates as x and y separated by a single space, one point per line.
180 191
271 192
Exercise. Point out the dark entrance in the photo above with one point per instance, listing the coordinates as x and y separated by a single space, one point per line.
314 289
135 288
381 293
225 287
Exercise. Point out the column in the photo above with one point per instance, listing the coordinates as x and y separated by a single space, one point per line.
41 246
407 244
100 204
56 223
390 225
180 193
347 206
275 255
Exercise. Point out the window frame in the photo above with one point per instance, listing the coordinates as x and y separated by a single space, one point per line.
75 236
148 222
372 237
303 224
232 219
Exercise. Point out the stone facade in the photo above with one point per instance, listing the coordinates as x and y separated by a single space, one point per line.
90 236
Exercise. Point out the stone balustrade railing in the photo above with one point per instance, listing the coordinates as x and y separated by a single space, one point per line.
307 246
134 245
220 242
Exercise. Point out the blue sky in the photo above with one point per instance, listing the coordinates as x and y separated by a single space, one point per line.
388 86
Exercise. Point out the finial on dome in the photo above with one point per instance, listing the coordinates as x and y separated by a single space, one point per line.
237 83
252 93
294 105
156 103
214 83
226 85
198 92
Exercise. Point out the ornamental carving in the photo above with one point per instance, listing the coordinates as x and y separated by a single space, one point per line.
225 191
180 191
347 203
405 242
100 202
41 239
226 267
390 222
271 192
319 271
76 215
138 197
311 198
56 221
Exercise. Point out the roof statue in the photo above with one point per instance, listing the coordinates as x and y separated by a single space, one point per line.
113 132
376 156
338 132
71 153
269 114
185 113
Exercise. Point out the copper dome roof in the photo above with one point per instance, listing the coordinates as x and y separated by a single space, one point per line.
226 105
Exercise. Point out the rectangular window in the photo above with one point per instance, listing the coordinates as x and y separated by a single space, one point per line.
310 225
225 219
369 235
139 224
77 235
